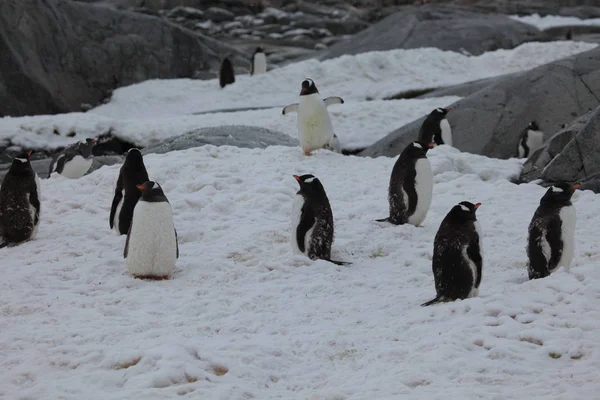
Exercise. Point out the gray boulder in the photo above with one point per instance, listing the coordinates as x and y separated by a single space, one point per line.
489 121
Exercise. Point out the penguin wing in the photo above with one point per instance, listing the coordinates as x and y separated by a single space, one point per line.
307 221
58 164
176 243
125 251
116 200
333 100
474 254
538 251
290 109
34 199
410 192
554 238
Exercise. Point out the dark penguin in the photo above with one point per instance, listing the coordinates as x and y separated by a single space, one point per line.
259 62
312 220
74 161
531 139
569 35
411 186
226 76
132 173
551 241
436 128
457 255
19 203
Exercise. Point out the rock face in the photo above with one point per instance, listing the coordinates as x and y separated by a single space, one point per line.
489 121
442 27
57 54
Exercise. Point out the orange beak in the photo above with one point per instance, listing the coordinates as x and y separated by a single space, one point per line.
431 145
296 177
576 186
141 187
448 110
477 205
29 153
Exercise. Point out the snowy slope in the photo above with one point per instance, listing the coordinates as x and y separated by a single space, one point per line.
244 318
551 21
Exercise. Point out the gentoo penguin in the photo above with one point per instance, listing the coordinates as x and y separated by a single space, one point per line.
226 76
19 203
457 255
151 248
531 139
436 128
132 173
259 62
315 129
551 241
74 161
411 186
312 220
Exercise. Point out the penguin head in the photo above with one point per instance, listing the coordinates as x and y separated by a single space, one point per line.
21 165
152 192
259 50
308 87
464 211
533 126
85 148
440 113
418 149
310 185
559 194
134 155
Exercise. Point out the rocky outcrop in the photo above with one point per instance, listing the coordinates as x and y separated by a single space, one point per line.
56 55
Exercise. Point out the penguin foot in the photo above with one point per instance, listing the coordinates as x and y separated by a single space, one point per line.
307 153
152 277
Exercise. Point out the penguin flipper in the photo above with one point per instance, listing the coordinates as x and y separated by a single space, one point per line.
333 100
438 299
116 200
126 250
339 262
176 243
290 109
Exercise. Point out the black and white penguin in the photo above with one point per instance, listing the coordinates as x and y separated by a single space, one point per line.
411 186
259 62
531 139
19 203
132 173
457 255
151 248
74 161
436 128
315 129
226 75
312 220
551 242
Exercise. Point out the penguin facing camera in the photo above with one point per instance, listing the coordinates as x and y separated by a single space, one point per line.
436 128
74 161
457 255
226 74
551 242
531 139
259 62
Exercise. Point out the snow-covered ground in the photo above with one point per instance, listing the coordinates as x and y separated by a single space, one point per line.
552 21
245 318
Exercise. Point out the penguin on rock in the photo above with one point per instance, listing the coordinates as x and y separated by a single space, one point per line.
315 129
531 139
411 186
312 220
74 161
457 255
226 74
551 242
19 203
259 62
151 249
436 128
132 173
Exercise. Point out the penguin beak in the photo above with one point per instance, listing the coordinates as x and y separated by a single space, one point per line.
296 177
303 91
448 110
576 186
477 205
29 153
431 145
141 187
94 140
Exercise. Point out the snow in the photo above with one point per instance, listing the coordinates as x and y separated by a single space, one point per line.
552 21
244 317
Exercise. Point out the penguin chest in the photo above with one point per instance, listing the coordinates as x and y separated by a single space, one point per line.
260 64
76 167
535 140
423 190
568 218
446 132
315 129
302 240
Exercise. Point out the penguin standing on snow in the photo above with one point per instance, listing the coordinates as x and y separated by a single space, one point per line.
19 203
457 255
436 128
312 220
132 173
151 249
551 241
411 186
74 161
315 129
531 139
259 62
226 75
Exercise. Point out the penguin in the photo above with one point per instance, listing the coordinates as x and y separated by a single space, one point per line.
436 128
569 35
19 203
151 248
457 255
259 62
551 241
315 129
411 186
312 220
226 76
74 161
132 173
531 139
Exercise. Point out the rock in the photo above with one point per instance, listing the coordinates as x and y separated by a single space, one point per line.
442 27
42 166
228 135
489 121
185 12
297 32
217 14
583 12
233 25
57 54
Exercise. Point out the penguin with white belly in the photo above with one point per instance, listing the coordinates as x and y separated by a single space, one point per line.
151 250
19 203
551 242
315 129
259 62
312 220
531 139
132 173
457 255
411 186
436 128
74 161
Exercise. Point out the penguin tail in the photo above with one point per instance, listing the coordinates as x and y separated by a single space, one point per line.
339 262
438 299
3 244
383 220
